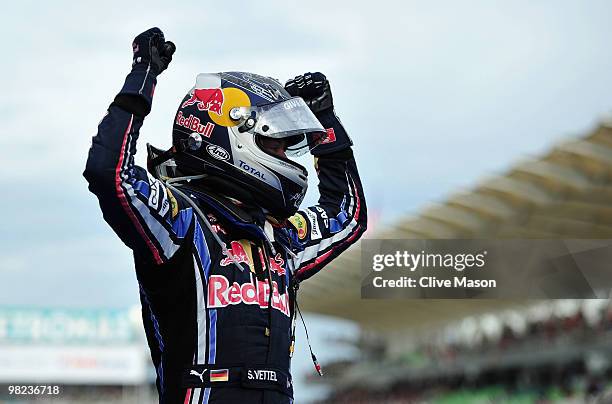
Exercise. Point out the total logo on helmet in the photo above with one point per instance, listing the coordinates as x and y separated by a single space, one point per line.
206 99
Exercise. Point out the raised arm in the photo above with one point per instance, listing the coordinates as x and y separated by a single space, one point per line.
145 215
340 217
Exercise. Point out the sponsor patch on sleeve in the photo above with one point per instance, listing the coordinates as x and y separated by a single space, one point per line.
315 232
173 203
299 222
331 136
154 194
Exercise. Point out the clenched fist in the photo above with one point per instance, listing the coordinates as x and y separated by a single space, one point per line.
152 51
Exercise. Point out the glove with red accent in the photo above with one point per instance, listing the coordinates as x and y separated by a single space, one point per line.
314 88
151 55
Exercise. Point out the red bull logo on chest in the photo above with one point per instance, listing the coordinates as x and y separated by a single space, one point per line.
241 253
238 254
222 294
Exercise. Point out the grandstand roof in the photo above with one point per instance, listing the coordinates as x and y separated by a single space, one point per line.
566 193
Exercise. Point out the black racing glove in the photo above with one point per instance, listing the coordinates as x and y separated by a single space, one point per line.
152 55
151 50
314 88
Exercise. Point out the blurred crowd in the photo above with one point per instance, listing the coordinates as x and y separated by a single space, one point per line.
545 324
554 352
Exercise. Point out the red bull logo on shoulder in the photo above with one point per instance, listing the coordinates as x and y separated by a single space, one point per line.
277 264
206 99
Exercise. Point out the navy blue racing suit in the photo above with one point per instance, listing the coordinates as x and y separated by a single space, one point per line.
212 334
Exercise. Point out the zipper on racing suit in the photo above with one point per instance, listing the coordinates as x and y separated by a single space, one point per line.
266 267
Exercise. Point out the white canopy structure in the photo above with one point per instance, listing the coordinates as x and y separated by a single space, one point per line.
567 193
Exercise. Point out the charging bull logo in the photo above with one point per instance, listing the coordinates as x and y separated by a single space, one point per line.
240 252
222 294
206 99
277 264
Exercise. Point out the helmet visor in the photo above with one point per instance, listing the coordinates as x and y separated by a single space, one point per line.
292 121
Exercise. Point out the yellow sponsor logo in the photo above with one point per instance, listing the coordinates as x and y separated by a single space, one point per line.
173 203
233 97
299 222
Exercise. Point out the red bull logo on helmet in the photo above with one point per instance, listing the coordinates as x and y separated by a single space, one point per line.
222 294
206 99
193 123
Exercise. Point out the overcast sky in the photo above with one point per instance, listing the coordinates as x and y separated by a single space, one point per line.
435 94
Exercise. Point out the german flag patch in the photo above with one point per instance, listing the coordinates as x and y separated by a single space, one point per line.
219 375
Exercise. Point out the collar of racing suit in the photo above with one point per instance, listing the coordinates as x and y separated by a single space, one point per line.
245 221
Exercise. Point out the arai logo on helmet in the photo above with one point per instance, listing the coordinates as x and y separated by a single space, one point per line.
217 152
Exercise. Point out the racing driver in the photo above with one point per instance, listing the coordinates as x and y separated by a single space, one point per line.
220 245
